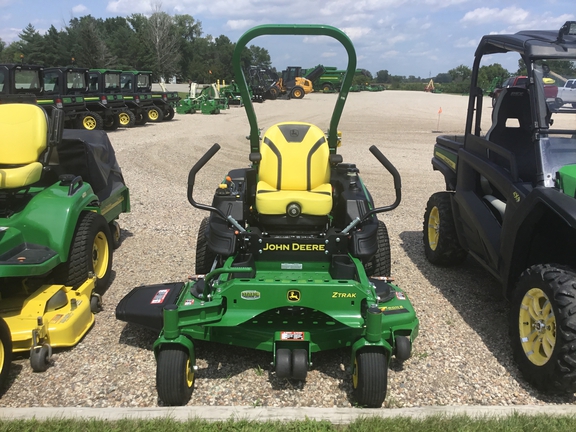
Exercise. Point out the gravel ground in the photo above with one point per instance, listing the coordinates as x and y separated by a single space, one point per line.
461 357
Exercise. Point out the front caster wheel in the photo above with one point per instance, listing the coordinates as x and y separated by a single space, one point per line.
543 329
283 363
40 358
174 375
403 348
370 378
299 364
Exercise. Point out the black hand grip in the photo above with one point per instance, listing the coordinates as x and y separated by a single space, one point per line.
388 165
201 162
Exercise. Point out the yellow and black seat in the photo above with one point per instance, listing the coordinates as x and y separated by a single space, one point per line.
294 171
23 139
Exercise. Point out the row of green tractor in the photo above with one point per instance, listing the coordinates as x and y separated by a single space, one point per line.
90 98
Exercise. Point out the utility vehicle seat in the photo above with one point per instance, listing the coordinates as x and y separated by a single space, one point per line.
23 138
515 135
294 172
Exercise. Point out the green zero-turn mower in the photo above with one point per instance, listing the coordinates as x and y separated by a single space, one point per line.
291 259
61 192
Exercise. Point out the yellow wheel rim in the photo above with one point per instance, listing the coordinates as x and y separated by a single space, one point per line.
153 114
297 93
189 374
89 123
433 228
100 255
537 325
355 374
124 119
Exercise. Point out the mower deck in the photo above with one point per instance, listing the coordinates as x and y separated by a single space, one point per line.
53 314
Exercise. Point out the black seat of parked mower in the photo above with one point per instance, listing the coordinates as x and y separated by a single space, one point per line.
23 139
294 171
511 129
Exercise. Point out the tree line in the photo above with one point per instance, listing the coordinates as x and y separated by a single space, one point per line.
457 80
169 46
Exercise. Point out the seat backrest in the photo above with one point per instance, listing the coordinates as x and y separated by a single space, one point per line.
512 103
23 133
294 157
511 128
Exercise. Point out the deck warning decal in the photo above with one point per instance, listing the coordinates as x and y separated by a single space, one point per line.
160 296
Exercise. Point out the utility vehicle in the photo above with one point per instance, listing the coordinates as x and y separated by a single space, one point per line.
510 201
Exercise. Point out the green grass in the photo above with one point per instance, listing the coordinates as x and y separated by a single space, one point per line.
511 423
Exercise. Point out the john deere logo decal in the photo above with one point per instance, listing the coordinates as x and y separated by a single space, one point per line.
293 295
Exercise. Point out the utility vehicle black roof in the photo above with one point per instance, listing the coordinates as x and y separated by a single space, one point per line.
533 43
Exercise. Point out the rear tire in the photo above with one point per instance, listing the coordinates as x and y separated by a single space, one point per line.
204 256
380 264
90 251
543 327
174 375
126 118
441 245
168 113
111 122
141 118
154 114
90 121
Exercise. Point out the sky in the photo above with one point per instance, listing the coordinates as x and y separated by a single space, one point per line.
405 37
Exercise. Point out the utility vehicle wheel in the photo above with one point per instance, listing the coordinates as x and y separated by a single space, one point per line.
297 92
91 251
126 118
90 121
174 375
283 363
204 256
111 122
327 87
403 348
5 352
168 113
380 264
115 231
155 115
299 364
370 378
141 118
543 328
40 358
440 239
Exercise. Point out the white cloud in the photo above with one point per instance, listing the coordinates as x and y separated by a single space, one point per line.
80 10
509 15
466 43
240 24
